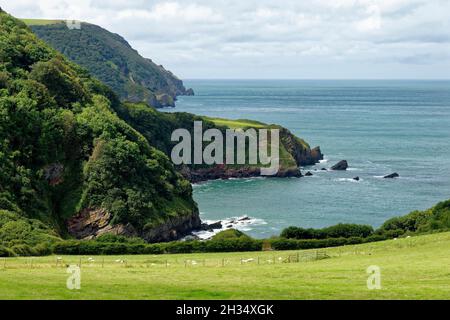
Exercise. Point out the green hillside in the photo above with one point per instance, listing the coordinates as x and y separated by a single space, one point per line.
75 161
68 160
111 59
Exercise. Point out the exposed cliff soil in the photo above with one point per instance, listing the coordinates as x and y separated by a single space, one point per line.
91 223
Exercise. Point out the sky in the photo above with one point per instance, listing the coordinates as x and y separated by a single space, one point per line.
272 39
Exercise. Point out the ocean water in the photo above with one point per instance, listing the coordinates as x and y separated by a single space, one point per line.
379 127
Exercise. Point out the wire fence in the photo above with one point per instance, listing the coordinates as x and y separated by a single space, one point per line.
158 261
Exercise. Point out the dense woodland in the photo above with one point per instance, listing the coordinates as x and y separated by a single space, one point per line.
111 59
64 148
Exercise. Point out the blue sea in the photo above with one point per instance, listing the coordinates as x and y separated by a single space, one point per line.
379 127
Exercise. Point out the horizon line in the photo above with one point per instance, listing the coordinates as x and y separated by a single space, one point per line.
326 79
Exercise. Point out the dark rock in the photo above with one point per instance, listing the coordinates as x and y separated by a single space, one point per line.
173 228
215 225
392 175
165 100
341 165
244 219
91 223
308 174
356 178
189 92
324 169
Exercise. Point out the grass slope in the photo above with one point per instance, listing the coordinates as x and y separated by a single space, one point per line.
40 22
411 268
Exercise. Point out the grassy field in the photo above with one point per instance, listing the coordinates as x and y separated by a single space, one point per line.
237 124
40 22
411 268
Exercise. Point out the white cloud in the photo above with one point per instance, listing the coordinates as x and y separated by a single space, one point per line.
257 38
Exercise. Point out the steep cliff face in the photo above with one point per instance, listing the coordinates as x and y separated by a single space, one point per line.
91 223
111 59
299 149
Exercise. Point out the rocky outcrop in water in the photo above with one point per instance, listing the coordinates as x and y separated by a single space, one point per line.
392 175
341 165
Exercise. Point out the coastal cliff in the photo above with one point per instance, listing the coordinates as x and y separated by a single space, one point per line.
90 224
111 59
294 153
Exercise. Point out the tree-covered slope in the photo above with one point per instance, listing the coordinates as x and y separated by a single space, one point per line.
112 60
69 161
75 161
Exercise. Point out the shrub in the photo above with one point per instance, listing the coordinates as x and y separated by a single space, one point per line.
230 234
42 249
336 231
5 252
23 250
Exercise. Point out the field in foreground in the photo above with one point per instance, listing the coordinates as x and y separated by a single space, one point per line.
411 268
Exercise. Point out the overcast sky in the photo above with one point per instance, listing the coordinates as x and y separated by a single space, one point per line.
322 39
